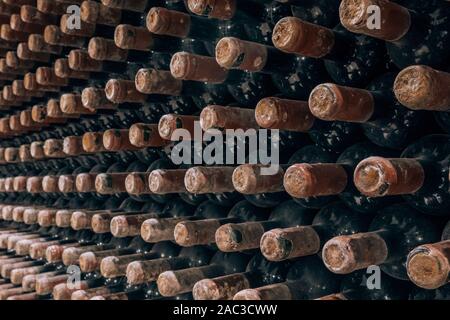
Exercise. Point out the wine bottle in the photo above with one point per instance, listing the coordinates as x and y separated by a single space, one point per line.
375 108
350 60
432 82
259 272
233 237
390 240
307 279
420 175
162 228
196 232
295 116
175 282
294 76
406 32
186 66
298 241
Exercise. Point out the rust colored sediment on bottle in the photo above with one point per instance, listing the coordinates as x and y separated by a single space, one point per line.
188 66
139 272
66 183
85 182
143 135
219 117
53 253
90 293
169 123
4 69
423 88
47 77
34 184
30 83
39 115
120 91
234 53
63 70
7 213
5 294
46 217
209 180
17 213
97 13
116 266
13 61
8 95
101 222
136 183
50 184
18 87
95 99
17 24
29 281
154 230
288 243
30 215
52 7
27 121
73 145
278 291
131 5
378 177
162 181
356 16
24 53
216 9
63 217
303 180
152 81
93 142
63 291
428 265
130 37
71 104
84 29
233 237
32 14
191 233
172 283
106 49
332 102
53 35
45 285
128 225
53 148
118 140
167 22
18 274
8 34
36 43
29 296
11 156
81 220
54 111
7 268
220 288
90 261
293 35
71 255
345 254
110 183
252 179
79 60
20 184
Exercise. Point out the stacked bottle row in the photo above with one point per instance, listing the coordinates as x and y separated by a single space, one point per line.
92 114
